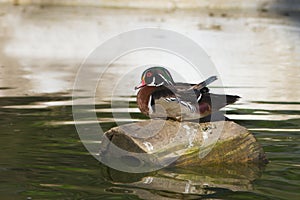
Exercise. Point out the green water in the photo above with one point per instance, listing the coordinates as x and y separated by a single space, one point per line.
43 159
257 57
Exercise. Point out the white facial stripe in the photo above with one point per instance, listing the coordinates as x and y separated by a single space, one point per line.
165 79
153 82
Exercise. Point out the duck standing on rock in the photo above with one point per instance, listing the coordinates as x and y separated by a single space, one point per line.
160 97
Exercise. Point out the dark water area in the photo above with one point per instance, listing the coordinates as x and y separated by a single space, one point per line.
42 157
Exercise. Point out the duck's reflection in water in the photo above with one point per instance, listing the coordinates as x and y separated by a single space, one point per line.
203 182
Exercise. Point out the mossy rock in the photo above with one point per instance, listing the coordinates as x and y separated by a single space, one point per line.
182 143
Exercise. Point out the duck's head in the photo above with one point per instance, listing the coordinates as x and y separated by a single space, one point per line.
155 76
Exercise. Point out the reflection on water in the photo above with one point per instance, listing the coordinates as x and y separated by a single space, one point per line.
44 159
41 155
202 182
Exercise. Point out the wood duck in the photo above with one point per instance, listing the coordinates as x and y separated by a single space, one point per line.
160 97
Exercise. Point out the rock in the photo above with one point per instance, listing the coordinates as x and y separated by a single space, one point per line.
167 142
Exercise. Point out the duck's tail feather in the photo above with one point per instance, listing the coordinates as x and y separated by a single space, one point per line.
218 101
203 84
209 80
230 99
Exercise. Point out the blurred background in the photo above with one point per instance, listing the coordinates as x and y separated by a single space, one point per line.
255 46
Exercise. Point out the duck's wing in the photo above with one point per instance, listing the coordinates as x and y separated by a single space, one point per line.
185 94
187 86
203 84
166 102
217 101
193 92
189 96
163 92
203 100
183 86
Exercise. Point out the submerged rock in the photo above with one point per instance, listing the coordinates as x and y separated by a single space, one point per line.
166 142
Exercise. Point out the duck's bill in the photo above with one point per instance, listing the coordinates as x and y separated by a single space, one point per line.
142 84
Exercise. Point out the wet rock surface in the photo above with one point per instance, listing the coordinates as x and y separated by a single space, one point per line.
187 143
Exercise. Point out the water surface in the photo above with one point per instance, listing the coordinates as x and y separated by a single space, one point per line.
42 157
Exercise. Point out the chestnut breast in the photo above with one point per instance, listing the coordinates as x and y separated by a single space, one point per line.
143 97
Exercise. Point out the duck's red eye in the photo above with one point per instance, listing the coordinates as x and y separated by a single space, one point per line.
149 74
